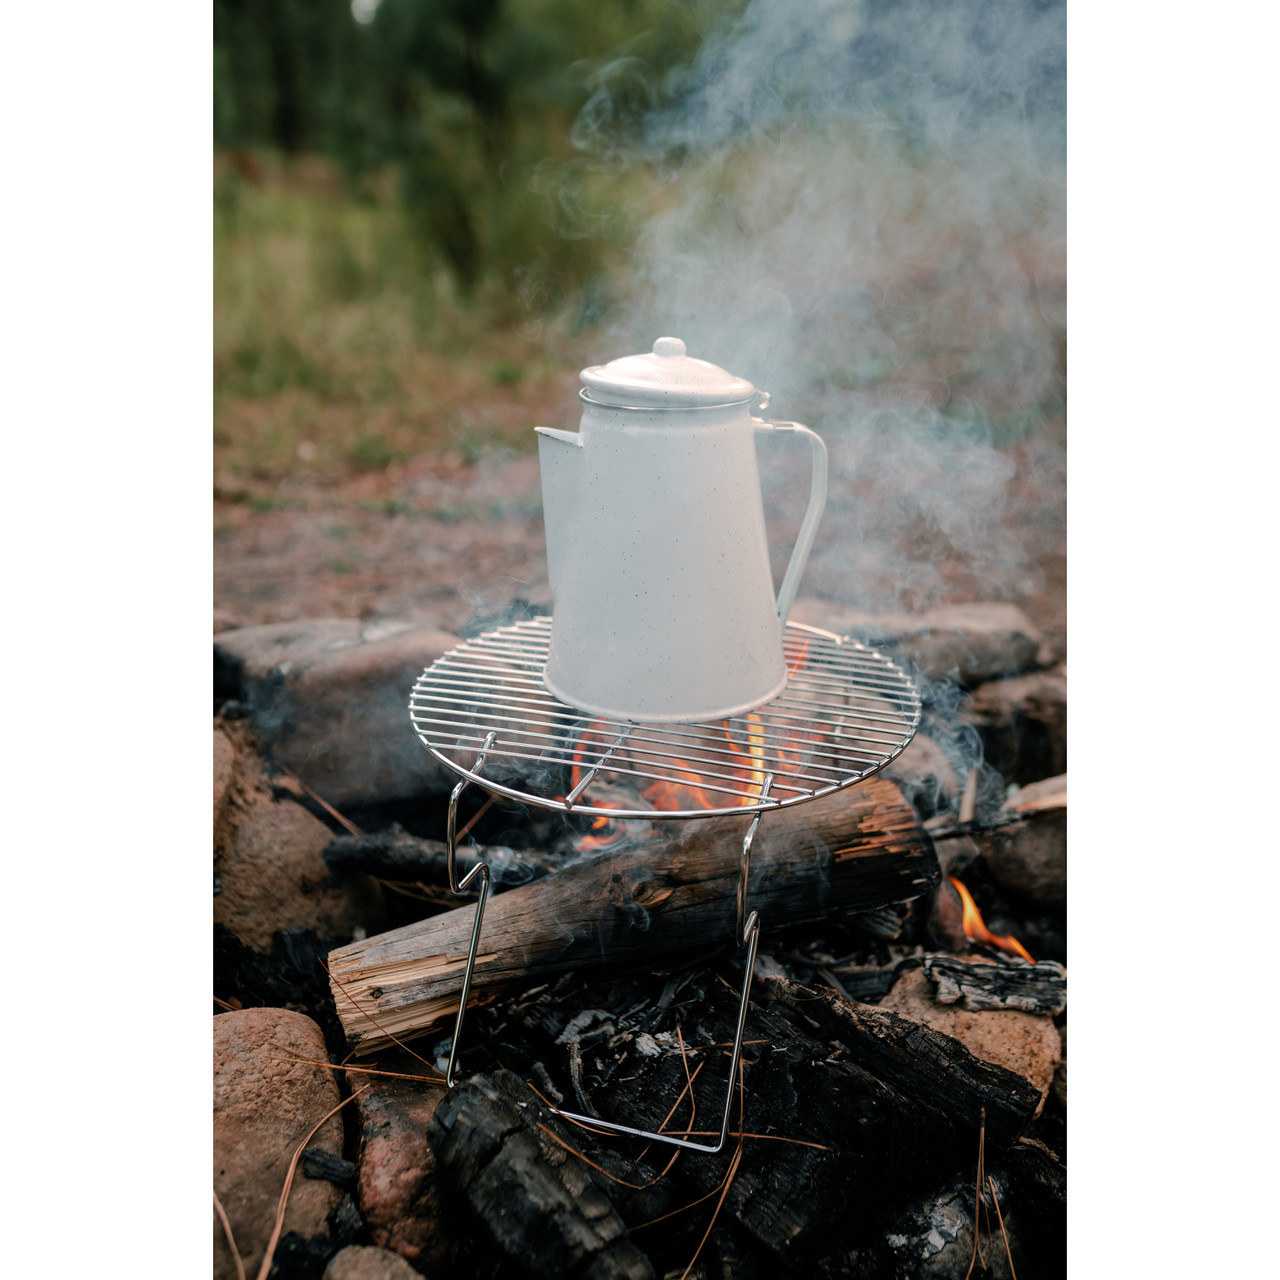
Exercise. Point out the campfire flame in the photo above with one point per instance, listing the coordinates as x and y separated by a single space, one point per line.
976 930
689 790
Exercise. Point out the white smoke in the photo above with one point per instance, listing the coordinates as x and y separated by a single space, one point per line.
864 214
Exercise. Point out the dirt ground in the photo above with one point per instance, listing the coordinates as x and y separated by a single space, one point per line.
445 540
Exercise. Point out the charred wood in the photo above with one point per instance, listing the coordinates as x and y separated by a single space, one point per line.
936 1071
541 1207
325 1165
840 1132
1038 1194
1038 988
394 854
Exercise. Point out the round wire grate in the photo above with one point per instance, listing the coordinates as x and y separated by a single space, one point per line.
846 712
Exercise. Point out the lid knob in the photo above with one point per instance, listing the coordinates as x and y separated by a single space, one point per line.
664 378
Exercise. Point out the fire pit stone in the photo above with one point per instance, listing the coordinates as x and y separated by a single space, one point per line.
396 1187
313 688
969 643
367 1262
269 860
262 1110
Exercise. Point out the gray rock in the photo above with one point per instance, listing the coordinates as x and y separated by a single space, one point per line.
966 644
925 775
263 1108
330 699
363 1262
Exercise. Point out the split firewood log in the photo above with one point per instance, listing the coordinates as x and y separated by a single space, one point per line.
850 851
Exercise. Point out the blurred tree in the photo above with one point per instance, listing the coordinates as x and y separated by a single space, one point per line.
473 102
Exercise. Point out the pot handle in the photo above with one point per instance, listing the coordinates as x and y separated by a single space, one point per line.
812 515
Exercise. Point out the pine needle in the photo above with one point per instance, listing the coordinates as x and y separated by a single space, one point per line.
231 1240
977 1191
269 1256
415 890
1000 1216
693 1105
321 801
688 1088
728 1178
368 1071
475 817
573 1151
765 1137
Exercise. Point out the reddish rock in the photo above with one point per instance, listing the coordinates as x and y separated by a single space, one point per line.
224 775
1027 1043
262 1110
330 699
268 857
397 1189
363 1262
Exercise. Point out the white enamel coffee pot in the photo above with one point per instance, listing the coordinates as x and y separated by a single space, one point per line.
656 548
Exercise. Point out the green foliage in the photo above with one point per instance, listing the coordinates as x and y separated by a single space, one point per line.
506 374
472 104
261 366
373 453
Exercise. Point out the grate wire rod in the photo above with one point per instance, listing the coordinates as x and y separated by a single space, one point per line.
845 712
567 754
479 695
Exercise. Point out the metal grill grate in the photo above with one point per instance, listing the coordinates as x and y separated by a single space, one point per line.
846 712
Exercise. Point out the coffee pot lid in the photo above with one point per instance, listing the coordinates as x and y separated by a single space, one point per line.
664 378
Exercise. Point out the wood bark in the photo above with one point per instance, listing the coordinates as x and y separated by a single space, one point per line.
847 852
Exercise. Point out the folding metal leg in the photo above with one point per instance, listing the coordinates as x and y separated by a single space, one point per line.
481 869
747 931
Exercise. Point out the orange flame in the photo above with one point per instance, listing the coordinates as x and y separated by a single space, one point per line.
589 844
610 833
794 664
758 752
754 752
976 930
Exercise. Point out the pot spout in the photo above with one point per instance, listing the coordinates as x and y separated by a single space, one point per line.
560 460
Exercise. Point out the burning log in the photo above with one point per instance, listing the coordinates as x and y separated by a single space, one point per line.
847 852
